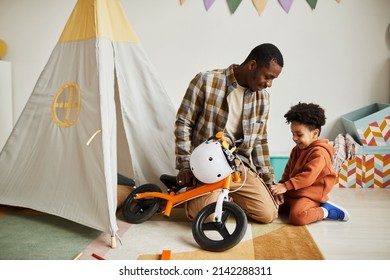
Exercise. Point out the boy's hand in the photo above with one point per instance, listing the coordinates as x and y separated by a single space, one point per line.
278 189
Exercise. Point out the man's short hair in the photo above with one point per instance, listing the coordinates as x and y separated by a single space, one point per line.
265 53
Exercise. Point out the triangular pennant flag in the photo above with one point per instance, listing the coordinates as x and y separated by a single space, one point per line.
312 3
259 5
286 4
233 5
208 3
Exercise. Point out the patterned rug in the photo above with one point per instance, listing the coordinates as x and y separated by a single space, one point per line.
147 241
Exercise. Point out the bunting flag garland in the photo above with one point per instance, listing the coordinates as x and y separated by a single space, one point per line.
208 3
286 4
312 3
259 5
233 5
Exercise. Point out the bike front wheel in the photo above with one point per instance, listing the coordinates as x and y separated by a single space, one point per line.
219 236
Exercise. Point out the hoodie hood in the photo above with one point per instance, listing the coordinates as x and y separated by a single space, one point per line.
324 143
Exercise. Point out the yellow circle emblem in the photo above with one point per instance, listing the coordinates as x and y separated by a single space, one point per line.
3 49
65 109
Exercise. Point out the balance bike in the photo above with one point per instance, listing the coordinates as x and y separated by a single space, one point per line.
217 227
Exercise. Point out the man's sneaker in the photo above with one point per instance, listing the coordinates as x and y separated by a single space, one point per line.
335 212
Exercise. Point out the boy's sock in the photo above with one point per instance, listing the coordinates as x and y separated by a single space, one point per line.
334 212
326 213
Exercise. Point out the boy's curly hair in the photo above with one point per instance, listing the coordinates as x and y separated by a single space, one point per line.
308 114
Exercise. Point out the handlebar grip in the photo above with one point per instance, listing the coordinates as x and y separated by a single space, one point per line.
236 177
219 135
224 143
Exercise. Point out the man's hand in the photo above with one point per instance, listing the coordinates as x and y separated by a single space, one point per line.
279 199
186 178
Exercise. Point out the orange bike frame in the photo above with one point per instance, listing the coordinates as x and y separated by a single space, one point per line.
174 199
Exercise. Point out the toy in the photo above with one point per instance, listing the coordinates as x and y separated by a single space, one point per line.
212 234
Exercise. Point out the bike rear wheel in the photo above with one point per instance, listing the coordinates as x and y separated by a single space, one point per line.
137 211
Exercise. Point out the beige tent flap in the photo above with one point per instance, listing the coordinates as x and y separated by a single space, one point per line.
46 164
61 157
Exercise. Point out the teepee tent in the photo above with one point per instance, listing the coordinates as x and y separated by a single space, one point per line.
97 109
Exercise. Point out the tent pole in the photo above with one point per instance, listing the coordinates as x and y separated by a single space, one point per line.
113 242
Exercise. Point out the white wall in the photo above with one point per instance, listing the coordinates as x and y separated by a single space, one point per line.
6 122
337 55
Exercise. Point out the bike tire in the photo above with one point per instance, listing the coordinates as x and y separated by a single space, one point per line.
224 238
136 211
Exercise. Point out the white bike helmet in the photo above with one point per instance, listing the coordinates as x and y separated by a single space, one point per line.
208 162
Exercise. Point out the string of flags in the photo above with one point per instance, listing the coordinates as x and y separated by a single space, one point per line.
258 4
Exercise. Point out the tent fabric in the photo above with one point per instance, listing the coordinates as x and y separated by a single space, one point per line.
50 168
97 109
111 22
148 112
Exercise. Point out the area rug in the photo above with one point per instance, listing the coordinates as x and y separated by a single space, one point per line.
147 241
31 235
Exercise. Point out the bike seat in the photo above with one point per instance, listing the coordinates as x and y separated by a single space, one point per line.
123 180
170 182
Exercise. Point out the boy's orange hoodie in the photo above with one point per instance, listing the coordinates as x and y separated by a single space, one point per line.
309 172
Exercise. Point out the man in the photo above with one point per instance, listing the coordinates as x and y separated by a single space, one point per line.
234 101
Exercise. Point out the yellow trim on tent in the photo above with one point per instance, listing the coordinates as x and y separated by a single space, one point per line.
98 18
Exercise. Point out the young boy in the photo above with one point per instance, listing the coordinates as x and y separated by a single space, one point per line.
309 175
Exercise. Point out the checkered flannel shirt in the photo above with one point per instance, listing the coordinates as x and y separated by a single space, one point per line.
204 111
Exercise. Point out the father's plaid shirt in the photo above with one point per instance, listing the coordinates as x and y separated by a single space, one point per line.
204 112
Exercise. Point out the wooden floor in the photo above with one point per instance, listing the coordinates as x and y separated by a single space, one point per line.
366 236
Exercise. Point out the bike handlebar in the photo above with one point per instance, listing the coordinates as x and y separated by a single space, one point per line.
231 148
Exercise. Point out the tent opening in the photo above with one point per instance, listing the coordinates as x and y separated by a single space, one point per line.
124 164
